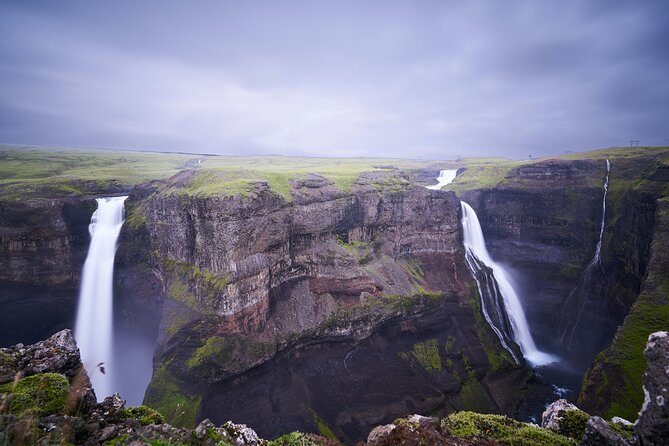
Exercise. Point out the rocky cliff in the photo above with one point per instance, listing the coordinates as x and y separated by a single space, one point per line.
543 220
334 311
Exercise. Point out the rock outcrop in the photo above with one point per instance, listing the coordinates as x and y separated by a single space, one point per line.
46 398
653 424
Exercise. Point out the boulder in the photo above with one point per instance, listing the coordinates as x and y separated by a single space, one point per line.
413 431
599 433
550 419
653 424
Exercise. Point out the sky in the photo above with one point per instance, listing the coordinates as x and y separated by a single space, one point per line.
415 79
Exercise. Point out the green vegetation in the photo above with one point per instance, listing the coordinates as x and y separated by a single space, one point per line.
324 429
42 394
145 414
212 347
294 439
624 430
182 285
232 353
27 171
502 429
165 395
362 251
472 394
572 424
427 354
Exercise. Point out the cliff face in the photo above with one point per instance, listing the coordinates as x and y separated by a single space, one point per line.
339 309
543 220
42 247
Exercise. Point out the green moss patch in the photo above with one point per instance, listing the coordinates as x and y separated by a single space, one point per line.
427 354
294 439
231 354
145 414
165 395
572 424
502 429
42 394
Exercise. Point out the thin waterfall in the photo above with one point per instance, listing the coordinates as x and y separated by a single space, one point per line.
93 329
597 259
445 177
500 303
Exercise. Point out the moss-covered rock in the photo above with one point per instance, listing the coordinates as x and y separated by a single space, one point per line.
572 423
471 425
42 394
145 414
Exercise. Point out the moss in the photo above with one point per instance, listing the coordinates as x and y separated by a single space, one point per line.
214 346
449 344
7 359
324 429
231 353
41 394
135 218
427 354
166 396
294 439
118 440
145 414
175 321
472 394
502 429
624 430
572 423
197 288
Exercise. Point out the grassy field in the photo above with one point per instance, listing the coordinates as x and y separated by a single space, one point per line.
31 171
27 171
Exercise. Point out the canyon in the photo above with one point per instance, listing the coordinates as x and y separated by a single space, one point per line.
335 310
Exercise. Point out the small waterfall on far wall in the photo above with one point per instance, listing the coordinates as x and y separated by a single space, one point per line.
500 304
597 259
93 329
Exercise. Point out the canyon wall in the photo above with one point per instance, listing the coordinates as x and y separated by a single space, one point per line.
335 311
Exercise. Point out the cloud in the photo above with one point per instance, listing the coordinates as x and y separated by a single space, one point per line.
431 79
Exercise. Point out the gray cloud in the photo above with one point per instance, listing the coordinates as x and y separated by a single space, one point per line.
430 78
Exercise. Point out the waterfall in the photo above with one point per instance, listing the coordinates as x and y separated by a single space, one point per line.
597 259
500 304
445 177
93 329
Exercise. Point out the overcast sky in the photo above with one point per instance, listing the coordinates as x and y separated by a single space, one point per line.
359 78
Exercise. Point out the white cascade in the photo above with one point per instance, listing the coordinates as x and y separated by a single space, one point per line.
477 253
445 177
93 329
597 259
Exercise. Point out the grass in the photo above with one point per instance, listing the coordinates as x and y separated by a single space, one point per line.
35 171
502 429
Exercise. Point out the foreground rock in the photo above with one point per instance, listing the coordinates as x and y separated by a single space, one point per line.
46 398
653 424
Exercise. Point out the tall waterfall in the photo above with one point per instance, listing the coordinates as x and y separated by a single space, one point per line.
93 329
499 301
597 259
445 177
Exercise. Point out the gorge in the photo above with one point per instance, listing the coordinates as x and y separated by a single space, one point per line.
325 305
